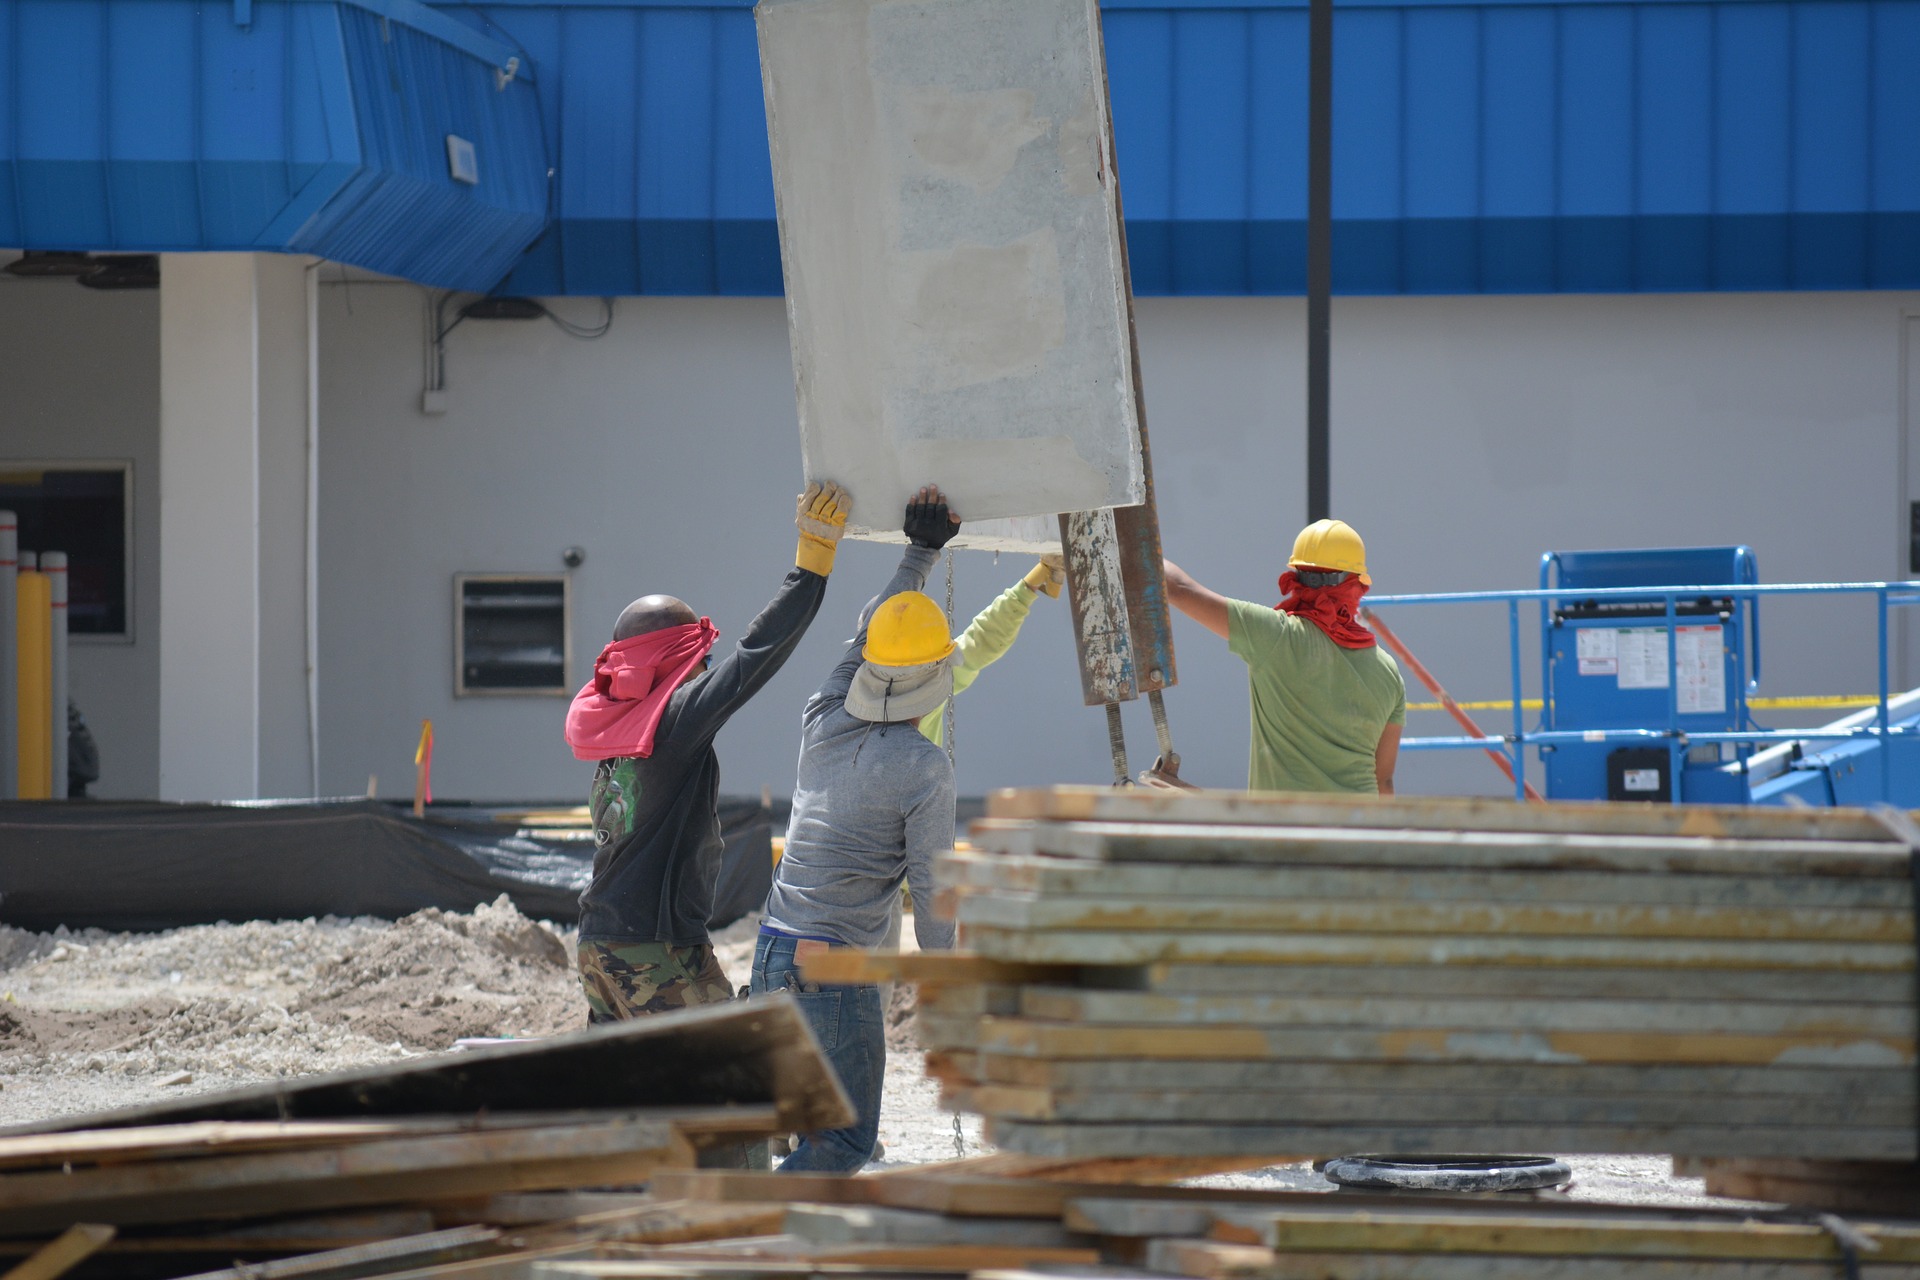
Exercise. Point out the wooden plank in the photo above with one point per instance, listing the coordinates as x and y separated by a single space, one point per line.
944 1258
1201 843
845 965
946 1001
1207 1260
1444 1078
63 1253
744 1186
738 1053
1231 915
1136 947
1492 982
1064 1004
1296 1106
1076 877
1396 1044
376 1257
410 1169
1278 1144
1623 1235
1083 804
865 1224
1134 1170
1832 1197
182 1141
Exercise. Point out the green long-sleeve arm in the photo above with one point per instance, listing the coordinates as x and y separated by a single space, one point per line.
984 642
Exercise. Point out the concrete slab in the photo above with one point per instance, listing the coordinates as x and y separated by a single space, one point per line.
950 232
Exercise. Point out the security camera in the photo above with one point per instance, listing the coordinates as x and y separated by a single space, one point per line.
573 557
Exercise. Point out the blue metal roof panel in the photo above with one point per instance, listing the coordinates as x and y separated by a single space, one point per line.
314 127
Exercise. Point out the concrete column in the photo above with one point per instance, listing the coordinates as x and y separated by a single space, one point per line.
232 336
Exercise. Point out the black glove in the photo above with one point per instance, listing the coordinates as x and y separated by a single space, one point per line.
929 525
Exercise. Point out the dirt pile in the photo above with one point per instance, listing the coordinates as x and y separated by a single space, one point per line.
268 998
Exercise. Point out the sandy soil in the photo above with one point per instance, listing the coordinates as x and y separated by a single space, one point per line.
93 1020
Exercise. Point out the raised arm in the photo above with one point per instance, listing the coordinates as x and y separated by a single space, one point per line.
821 516
1208 608
928 526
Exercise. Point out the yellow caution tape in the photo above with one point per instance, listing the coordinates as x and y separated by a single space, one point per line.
1756 704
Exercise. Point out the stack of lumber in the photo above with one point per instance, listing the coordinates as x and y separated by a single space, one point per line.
437 1159
947 1221
1213 974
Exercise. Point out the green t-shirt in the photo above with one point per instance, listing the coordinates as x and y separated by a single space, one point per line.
1318 709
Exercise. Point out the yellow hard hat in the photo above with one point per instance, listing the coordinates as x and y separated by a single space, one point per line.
907 630
1330 544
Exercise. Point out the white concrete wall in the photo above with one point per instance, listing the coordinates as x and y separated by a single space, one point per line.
82 381
1471 434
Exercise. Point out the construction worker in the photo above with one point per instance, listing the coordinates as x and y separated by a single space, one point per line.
648 717
993 631
873 805
1328 702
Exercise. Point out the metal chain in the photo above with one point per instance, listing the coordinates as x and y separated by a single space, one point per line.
959 1135
947 730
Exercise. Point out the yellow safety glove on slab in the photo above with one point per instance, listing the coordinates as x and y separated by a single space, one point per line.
821 516
1047 577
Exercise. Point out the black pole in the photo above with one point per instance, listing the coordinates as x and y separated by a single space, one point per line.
1319 253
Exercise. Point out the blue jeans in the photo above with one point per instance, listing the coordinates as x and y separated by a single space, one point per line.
851 1029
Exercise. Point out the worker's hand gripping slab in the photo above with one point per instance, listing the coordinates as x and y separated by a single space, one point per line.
821 516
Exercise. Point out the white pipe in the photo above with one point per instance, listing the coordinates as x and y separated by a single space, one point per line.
9 657
1773 761
54 565
313 525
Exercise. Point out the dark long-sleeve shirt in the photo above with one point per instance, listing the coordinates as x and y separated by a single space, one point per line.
656 820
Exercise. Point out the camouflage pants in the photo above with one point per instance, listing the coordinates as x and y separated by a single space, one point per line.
648 977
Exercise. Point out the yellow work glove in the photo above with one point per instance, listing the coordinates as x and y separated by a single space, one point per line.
1047 577
821 516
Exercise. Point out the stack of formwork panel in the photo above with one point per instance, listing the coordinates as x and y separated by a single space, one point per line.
1165 973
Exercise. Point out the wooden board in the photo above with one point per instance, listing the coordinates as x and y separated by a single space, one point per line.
1208 1260
1231 915
1143 947
404 1169
1064 1004
739 1053
1492 982
1180 844
1084 804
1622 1235
864 1224
841 965
1287 1143
1297 1106
1078 877
1445 1079
1394 1044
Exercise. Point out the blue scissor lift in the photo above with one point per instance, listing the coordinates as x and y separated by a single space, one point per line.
1648 659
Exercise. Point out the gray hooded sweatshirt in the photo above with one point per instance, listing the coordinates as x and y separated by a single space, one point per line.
873 806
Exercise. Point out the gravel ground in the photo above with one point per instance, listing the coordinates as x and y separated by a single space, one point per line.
94 1020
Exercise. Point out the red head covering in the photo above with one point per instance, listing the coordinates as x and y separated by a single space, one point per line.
617 712
1332 609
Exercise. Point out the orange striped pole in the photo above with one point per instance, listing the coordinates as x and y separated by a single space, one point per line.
1425 677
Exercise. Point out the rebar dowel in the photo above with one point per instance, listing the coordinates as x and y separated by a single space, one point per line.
1117 742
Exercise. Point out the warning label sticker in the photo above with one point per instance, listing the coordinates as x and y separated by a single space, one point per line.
1643 657
1699 653
1597 651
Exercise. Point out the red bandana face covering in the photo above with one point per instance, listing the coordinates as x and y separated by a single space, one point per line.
617 712
1332 609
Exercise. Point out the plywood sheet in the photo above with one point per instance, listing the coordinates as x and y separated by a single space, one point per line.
950 232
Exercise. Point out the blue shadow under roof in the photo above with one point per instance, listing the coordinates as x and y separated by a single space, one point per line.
1503 146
